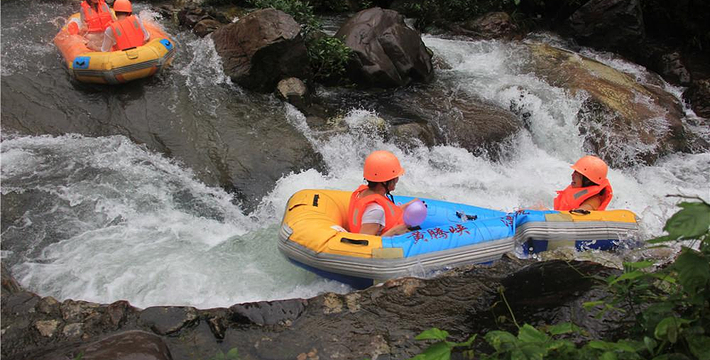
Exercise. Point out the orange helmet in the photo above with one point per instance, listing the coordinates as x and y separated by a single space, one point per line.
594 168
122 6
381 166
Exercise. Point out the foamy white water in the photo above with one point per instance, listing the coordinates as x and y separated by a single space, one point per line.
114 221
129 224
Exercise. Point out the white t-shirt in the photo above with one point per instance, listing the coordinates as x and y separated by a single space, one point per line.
374 214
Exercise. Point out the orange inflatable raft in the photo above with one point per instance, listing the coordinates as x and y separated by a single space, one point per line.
115 67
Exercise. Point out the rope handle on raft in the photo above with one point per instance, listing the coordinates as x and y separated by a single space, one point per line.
580 211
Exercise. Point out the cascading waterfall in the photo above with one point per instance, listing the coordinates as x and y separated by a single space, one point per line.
104 219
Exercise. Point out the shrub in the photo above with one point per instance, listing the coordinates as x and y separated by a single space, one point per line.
326 55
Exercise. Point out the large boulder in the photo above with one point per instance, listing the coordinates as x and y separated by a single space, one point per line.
387 52
609 24
618 110
262 48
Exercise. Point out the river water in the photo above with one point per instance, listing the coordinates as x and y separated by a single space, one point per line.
103 217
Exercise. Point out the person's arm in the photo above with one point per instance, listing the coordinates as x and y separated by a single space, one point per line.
373 220
74 26
592 203
370 229
397 230
374 229
108 40
404 206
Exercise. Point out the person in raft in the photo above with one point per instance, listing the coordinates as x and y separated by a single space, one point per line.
589 190
372 209
127 31
94 17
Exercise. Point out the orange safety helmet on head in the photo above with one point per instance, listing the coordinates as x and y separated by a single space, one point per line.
381 166
122 6
594 168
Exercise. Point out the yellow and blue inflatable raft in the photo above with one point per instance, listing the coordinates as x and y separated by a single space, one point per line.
115 67
313 235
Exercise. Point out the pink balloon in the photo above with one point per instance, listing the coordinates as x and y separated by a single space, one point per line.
415 213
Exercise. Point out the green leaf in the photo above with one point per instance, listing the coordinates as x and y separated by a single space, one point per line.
468 342
518 354
534 351
498 339
699 346
438 351
669 328
591 304
690 223
693 270
639 264
560 345
219 355
599 345
625 346
650 344
530 334
608 356
628 276
233 354
664 277
563 328
433 334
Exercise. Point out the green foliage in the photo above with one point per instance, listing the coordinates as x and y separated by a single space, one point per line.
670 308
301 11
441 350
429 12
232 354
326 55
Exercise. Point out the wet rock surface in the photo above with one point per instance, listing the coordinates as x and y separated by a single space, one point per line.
262 48
387 52
432 114
609 24
128 345
618 110
379 322
494 25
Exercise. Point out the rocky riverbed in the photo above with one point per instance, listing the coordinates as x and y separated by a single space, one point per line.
378 323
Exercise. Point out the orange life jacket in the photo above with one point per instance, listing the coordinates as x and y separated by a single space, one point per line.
572 198
393 214
128 34
96 21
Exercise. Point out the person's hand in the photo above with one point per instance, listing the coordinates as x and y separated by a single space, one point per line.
538 206
404 206
73 28
397 230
